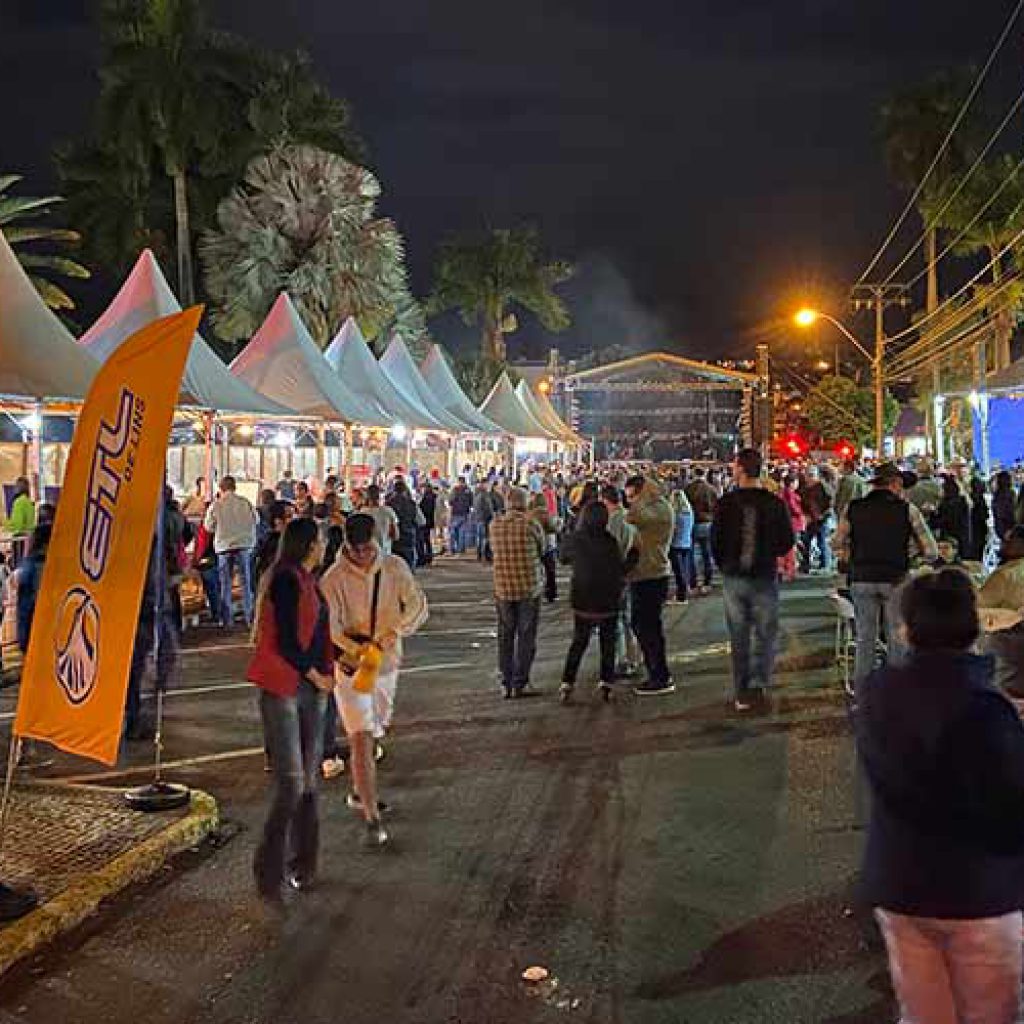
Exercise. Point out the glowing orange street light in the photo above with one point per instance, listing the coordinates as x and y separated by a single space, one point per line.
544 387
806 317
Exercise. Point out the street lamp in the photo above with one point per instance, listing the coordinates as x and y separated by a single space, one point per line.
808 317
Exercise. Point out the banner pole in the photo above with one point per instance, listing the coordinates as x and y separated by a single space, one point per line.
159 795
13 754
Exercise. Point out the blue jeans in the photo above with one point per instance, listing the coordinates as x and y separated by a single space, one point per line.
701 543
456 532
872 602
517 640
682 562
293 729
751 613
817 532
227 563
168 625
483 544
948 971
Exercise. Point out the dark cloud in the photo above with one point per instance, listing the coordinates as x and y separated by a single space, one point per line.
713 153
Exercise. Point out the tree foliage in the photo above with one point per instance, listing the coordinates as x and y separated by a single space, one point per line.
302 221
20 227
914 125
484 277
182 110
839 409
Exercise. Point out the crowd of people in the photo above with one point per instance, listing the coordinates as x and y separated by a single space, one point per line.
327 579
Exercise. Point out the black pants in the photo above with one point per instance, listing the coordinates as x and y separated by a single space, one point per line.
581 641
550 561
424 546
647 599
680 559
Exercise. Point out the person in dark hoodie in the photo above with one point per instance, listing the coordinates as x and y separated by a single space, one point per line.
598 585
943 753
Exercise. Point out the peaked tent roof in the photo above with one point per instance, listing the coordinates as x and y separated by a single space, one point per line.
38 355
403 373
351 359
438 376
503 406
146 296
282 360
544 413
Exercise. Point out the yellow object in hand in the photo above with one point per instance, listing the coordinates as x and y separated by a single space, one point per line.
369 667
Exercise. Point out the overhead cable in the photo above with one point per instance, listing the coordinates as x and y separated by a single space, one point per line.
975 89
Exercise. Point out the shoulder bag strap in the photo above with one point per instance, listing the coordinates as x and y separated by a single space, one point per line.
373 604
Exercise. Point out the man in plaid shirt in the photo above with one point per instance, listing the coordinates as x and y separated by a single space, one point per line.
517 542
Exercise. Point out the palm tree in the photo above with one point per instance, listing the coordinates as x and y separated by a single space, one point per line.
915 123
14 211
165 97
302 221
184 104
483 277
985 215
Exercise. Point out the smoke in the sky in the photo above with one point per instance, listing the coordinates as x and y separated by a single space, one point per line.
605 313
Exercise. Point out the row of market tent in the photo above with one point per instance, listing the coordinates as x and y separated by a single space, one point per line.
280 378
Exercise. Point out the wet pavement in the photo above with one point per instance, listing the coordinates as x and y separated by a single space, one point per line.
665 859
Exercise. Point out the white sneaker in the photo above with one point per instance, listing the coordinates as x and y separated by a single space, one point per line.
333 767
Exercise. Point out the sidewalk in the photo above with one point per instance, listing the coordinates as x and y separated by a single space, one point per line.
77 846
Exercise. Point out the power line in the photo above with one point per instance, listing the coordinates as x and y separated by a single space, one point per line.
959 315
974 220
916 327
979 81
934 221
945 349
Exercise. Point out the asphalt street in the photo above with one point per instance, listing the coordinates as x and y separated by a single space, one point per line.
665 859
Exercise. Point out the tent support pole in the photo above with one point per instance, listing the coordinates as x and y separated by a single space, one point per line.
208 473
38 455
321 452
348 457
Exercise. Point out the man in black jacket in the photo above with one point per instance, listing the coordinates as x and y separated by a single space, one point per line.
943 751
750 532
877 537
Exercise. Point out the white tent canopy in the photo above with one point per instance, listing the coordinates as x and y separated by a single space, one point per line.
207 383
351 358
400 369
38 356
544 413
438 376
282 361
503 406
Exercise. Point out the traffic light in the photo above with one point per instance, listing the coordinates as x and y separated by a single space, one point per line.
845 450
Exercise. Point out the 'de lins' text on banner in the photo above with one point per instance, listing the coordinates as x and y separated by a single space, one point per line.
76 669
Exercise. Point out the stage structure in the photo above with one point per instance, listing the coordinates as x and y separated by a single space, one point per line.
662 407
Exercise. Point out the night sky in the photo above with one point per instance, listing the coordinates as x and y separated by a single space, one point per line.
703 162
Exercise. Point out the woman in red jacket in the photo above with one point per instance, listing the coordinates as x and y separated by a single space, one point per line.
292 665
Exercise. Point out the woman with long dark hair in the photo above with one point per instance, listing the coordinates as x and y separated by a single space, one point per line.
953 517
292 665
1004 505
979 520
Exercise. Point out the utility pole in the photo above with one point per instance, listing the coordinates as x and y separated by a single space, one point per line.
878 298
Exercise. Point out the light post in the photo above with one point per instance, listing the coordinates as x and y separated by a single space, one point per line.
808 317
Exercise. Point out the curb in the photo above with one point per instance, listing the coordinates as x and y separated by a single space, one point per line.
73 905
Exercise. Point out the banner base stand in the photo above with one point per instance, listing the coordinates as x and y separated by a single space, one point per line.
157 796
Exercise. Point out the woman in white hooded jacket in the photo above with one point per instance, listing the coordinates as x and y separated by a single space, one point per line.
373 599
